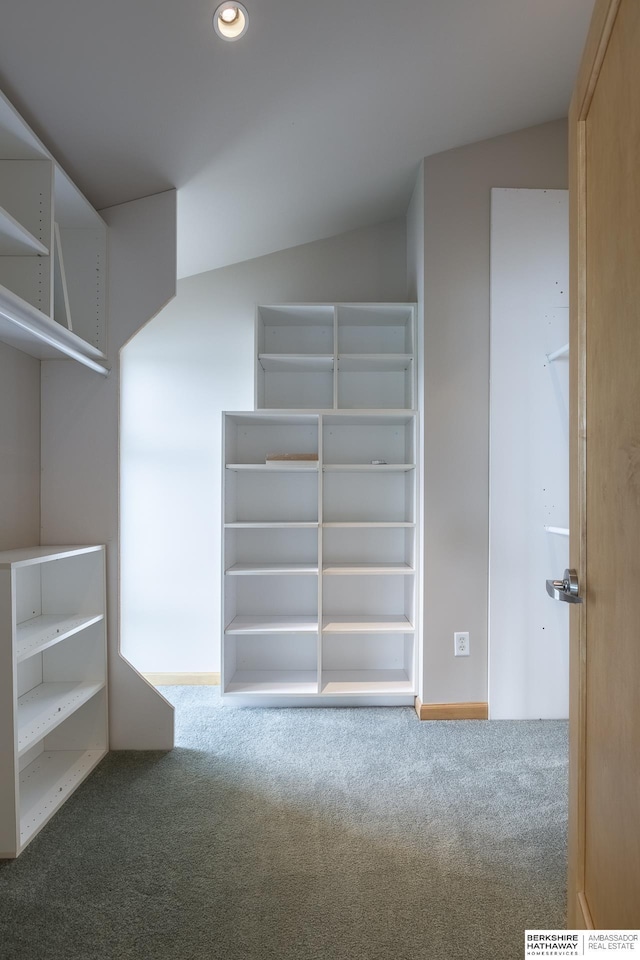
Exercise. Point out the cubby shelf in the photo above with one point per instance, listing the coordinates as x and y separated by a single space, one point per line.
374 362
53 676
368 467
274 682
275 466
273 569
360 623
272 624
272 525
44 707
38 634
290 362
350 682
47 782
359 569
370 524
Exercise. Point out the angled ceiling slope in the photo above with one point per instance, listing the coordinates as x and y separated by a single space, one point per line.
311 124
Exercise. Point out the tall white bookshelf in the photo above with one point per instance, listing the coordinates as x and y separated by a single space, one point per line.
320 556
53 698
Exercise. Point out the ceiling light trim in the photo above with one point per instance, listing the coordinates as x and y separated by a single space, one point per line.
230 29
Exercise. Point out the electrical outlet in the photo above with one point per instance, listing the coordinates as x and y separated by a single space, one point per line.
461 644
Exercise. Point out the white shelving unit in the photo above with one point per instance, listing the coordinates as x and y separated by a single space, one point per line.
336 356
53 248
53 702
320 558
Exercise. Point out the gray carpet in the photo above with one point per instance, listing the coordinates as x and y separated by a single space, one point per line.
298 834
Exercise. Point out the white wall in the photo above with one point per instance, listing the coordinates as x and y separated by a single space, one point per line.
80 411
457 187
178 374
19 449
529 454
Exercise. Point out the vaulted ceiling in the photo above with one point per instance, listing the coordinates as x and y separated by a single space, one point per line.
313 123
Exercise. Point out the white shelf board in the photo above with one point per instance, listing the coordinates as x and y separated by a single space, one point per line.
369 524
292 362
276 466
273 682
37 634
368 467
377 418
360 623
359 569
26 556
562 531
359 682
374 362
271 525
271 624
42 709
26 328
16 240
273 569
47 782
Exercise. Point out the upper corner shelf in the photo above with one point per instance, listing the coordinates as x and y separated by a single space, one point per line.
339 356
52 254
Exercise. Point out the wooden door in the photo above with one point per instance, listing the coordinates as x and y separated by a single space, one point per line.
604 817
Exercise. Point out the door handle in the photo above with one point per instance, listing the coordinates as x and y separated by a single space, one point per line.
565 589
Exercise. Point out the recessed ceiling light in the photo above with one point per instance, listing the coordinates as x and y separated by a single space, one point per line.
230 21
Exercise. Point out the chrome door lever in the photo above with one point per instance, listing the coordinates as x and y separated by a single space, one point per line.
565 589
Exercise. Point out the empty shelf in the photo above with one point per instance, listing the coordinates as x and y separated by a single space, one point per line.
270 525
277 466
271 624
42 709
273 569
16 240
274 682
378 623
368 523
296 362
563 531
373 362
360 569
26 328
368 467
35 635
347 682
47 782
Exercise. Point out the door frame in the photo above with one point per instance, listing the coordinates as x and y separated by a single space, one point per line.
603 19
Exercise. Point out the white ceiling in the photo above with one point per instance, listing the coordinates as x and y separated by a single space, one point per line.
311 124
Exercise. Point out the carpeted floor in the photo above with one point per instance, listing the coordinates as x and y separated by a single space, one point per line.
301 835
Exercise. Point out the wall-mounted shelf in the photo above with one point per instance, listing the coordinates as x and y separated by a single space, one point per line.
561 531
52 254
16 240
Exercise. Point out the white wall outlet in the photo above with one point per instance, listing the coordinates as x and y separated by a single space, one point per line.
461 644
